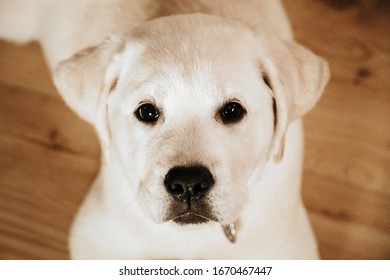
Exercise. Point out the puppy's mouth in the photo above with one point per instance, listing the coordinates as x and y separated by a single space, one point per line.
191 218
190 212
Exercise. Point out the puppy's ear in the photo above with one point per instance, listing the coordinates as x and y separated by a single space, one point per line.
297 78
85 80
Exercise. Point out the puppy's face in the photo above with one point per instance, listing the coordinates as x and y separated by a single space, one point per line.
182 104
191 119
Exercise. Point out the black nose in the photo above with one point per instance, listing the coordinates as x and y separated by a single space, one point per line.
188 184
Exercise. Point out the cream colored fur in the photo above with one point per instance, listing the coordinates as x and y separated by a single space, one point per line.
188 58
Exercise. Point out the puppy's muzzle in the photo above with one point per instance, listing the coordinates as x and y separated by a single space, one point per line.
188 186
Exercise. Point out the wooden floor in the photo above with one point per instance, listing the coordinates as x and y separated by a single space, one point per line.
48 156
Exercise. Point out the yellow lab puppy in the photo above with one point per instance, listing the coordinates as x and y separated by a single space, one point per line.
197 104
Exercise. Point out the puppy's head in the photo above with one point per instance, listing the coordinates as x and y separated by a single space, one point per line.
191 106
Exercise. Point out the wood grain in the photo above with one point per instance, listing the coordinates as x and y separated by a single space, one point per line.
48 156
346 183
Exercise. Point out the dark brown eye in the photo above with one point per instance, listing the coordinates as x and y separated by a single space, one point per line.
147 113
232 112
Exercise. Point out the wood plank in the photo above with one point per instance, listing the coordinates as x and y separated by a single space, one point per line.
346 183
349 240
48 158
46 119
23 66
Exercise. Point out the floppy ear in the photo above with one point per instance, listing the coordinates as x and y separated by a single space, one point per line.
297 78
85 80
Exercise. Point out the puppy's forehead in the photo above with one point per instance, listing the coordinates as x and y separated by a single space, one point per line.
192 41
206 53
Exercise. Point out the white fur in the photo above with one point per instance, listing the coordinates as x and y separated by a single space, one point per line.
188 65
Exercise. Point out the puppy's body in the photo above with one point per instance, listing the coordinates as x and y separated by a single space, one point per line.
191 62
65 27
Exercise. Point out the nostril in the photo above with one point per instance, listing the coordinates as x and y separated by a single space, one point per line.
177 189
188 183
198 189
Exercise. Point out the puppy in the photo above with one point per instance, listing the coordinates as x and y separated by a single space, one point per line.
197 105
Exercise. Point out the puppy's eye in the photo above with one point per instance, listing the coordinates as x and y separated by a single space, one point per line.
147 113
232 112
